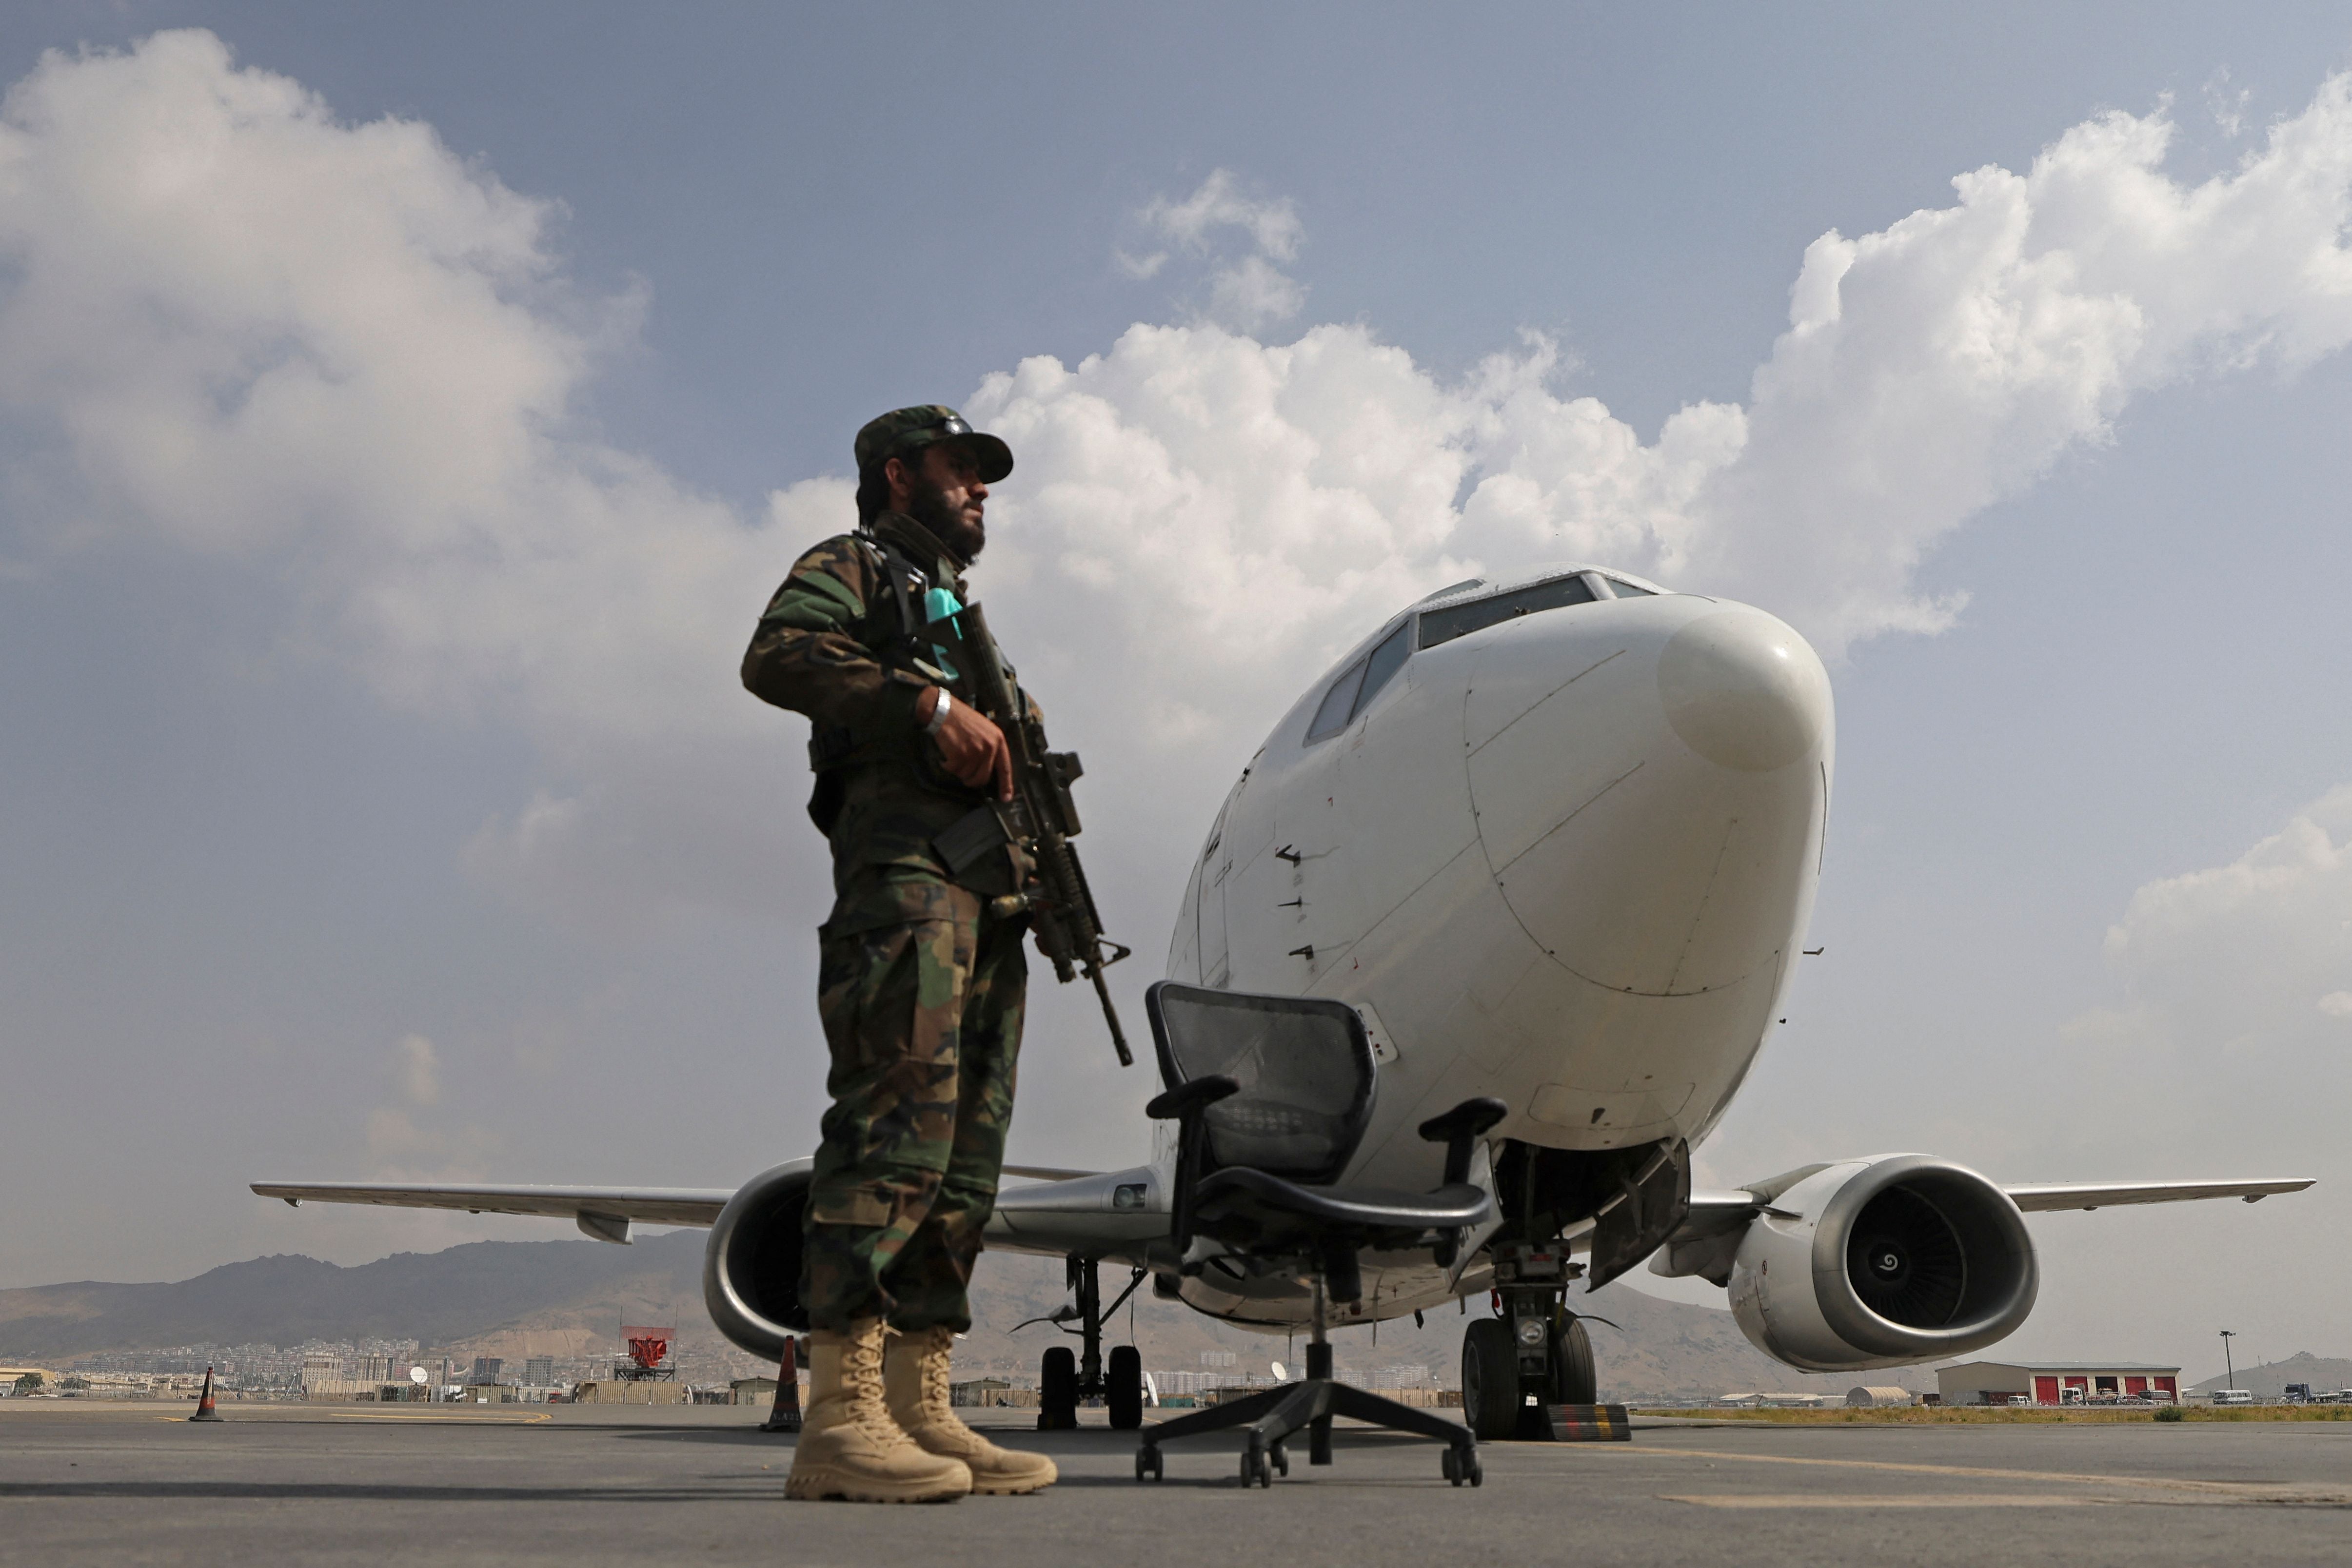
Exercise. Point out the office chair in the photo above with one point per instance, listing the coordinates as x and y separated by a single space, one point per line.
1270 1096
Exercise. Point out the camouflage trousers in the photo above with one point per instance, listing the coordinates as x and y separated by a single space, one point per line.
923 1018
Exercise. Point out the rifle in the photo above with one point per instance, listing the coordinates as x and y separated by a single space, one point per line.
1043 818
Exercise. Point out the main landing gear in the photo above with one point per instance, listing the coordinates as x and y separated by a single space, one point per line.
1536 1353
1064 1379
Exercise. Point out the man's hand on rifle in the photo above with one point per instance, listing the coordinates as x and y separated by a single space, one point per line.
970 744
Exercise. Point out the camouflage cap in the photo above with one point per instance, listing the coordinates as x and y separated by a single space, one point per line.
903 431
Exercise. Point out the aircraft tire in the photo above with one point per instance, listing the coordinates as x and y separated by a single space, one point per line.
1490 1380
1057 1390
1573 1379
1125 1395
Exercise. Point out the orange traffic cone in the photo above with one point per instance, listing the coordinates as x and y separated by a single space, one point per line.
205 1411
786 1415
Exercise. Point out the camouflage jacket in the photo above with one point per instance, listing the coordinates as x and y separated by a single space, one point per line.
832 645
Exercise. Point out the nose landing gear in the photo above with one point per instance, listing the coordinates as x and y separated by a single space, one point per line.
1535 1353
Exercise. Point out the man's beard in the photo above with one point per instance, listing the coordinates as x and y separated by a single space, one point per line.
928 505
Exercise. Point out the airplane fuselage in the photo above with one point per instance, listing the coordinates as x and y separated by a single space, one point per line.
1563 855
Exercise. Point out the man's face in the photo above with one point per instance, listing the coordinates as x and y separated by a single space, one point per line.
943 491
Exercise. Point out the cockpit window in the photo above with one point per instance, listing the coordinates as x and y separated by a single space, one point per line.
1338 704
1461 620
1382 667
1624 589
1353 692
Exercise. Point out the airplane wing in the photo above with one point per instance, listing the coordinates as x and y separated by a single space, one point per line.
1712 1213
1704 1242
650 1205
2043 1196
603 1212
1718 1214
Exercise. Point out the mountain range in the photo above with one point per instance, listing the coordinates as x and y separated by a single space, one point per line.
2324 1373
570 1298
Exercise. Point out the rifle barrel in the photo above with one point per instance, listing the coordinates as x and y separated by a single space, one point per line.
1110 1016
1071 933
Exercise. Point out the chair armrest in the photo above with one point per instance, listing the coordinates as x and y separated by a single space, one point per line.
1186 1105
1189 1098
1459 1128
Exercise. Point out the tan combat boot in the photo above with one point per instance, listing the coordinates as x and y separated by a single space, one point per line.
915 1372
849 1447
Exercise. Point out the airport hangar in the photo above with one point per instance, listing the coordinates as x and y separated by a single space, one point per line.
2044 1382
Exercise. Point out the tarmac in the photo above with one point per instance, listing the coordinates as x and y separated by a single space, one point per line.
134 1484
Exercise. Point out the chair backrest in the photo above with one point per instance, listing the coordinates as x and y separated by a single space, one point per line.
1305 1065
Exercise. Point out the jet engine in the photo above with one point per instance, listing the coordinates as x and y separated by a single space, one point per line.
752 1263
1880 1262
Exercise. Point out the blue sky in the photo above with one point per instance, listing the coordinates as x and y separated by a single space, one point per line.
293 790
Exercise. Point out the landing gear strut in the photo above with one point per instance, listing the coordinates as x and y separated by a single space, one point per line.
1064 1381
1535 1353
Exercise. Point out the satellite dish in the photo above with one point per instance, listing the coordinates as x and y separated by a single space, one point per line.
1280 1375
419 1376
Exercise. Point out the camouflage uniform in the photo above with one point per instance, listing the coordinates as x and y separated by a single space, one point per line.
921 983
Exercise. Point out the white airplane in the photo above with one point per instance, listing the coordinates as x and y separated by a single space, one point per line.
1556 838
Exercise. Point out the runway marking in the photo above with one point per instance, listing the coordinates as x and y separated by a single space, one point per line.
435 1419
525 1420
1866 1499
2232 1492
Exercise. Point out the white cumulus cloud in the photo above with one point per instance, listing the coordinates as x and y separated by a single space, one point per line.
419 1070
1247 293
233 324
1271 225
2277 922
2216 1038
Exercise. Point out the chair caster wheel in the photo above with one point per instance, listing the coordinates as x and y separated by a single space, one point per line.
1147 1464
1460 1467
1258 1467
1281 1456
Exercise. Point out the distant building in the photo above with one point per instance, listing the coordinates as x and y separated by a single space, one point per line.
2056 1383
1870 1396
762 1390
487 1369
981 1391
538 1371
322 1375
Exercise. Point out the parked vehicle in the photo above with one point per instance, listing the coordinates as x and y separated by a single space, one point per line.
2233 1396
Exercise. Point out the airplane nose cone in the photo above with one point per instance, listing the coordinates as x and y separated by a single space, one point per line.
1744 691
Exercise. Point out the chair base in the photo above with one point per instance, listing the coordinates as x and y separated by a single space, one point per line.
1277 1414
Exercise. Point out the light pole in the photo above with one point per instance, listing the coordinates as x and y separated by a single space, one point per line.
2230 1380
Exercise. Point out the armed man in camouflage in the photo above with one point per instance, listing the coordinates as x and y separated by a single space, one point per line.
920 972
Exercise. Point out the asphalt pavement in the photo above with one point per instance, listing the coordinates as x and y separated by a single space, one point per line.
135 1484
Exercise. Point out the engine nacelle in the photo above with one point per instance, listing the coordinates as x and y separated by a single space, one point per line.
1882 1262
752 1263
